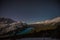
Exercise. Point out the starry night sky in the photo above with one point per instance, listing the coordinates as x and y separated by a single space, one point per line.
29 10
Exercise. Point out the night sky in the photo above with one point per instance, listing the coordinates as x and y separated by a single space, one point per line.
29 10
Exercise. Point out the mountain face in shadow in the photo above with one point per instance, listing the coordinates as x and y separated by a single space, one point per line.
4 24
46 28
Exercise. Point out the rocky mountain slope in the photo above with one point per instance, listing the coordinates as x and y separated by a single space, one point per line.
6 20
47 24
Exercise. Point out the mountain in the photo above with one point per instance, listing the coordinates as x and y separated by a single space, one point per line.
51 29
47 28
44 32
9 27
46 25
54 20
5 25
6 20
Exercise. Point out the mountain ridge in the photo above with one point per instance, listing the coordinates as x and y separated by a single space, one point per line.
57 19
